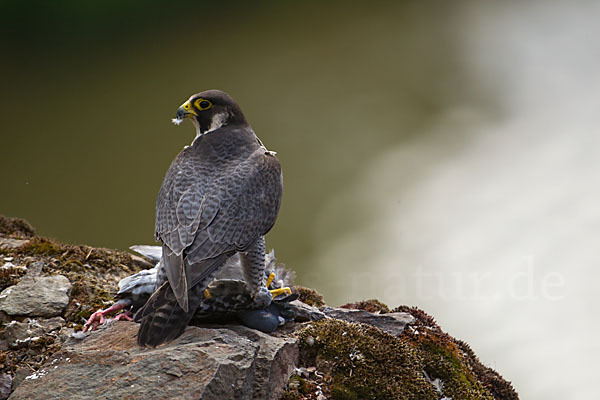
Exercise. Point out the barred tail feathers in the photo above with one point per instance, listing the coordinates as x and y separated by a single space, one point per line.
162 319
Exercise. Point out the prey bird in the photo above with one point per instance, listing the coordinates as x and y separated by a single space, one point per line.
225 300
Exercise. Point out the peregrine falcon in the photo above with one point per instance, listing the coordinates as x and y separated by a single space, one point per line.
220 196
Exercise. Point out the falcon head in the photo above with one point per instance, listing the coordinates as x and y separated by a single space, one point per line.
210 110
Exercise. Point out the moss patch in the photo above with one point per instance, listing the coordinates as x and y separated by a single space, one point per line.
10 276
365 362
490 379
309 296
15 227
453 361
93 272
356 361
290 395
40 246
372 306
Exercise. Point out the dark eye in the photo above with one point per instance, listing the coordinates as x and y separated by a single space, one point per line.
202 104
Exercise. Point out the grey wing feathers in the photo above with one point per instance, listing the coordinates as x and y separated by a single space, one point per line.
209 207
180 205
174 267
249 211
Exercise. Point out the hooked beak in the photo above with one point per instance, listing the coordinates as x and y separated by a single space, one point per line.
185 111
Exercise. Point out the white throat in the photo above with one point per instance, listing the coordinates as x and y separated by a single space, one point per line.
217 122
197 126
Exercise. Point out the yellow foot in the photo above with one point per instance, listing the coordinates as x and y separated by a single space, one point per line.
270 279
277 292
207 294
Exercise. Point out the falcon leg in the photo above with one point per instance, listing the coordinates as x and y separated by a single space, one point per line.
253 266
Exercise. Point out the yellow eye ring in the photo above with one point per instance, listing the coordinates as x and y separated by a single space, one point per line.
202 104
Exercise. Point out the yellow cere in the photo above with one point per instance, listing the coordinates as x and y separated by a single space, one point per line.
202 104
188 107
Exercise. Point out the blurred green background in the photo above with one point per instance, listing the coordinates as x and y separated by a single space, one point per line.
91 87
438 154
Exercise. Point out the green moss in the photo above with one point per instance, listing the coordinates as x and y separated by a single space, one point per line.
309 296
88 294
297 387
373 306
490 379
94 273
301 385
40 246
290 395
443 358
366 362
440 361
341 392
421 317
10 276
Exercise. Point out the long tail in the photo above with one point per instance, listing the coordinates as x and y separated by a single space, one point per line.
162 319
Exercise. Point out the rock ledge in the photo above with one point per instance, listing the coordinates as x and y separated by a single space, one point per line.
361 351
